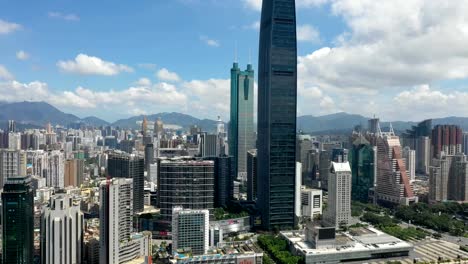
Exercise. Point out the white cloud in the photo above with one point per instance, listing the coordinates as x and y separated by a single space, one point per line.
5 74
8 27
89 65
143 82
22 55
168 76
67 17
210 42
308 33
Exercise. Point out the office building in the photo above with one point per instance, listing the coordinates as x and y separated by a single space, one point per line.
185 182
277 105
222 137
303 147
409 156
362 159
118 242
338 212
297 191
208 145
241 125
62 231
149 156
252 175
465 142
127 145
124 165
393 186
74 172
411 136
311 202
190 229
373 125
17 221
224 180
447 139
324 168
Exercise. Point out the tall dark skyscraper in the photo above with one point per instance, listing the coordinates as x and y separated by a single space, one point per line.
241 126
124 165
17 221
277 104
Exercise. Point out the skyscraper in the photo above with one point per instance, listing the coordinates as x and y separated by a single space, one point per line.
62 231
277 105
9 164
224 180
208 146
409 156
448 179
17 221
241 129
124 165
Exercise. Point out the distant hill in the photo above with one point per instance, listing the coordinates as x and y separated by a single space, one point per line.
94 121
35 113
38 114
173 118
346 122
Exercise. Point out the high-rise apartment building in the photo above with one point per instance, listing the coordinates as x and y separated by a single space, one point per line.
189 183
423 155
190 229
241 128
338 212
74 172
124 165
252 180
362 158
277 105
55 175
17 221
465 142
62 231
447 139
118 244
448 179
9 164
149 156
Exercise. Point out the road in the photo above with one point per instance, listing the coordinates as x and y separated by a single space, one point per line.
462 241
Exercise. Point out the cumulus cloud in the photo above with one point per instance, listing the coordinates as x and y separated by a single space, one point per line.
22 55
62 16
168 76
8 27
210 42
143 82
89 65
5 74
308 33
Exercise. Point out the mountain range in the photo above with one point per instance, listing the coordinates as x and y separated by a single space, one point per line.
37 114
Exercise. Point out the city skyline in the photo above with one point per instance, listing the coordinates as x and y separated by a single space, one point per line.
339 42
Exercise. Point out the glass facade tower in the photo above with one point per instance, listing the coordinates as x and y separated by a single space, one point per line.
17 221
277 104
241 130
363 166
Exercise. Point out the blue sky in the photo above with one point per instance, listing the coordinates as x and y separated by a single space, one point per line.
116 59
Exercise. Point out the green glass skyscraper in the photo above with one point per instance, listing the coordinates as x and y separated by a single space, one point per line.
18 221
241 128
362 158
277 104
